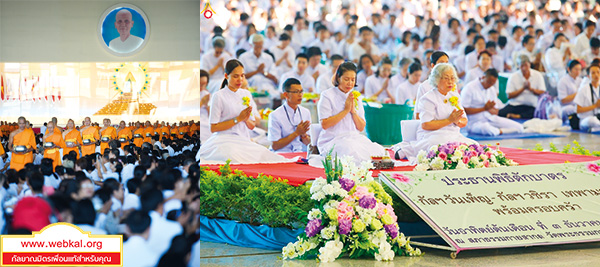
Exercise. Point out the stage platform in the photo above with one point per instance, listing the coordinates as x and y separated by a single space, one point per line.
298 174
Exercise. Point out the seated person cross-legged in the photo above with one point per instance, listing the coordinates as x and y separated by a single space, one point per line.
289 124
441 115
480 101
588 101
523 89
342 117
232 117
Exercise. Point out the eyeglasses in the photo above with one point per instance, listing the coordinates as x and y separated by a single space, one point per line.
295 92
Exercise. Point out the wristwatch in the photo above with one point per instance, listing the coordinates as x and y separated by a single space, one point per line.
235 121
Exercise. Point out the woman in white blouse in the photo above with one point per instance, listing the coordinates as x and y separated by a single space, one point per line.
567 88
365 69
232 117
343 118
484 62
378 85
556 58
406 93
440 119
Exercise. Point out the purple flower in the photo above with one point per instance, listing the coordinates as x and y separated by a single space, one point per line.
313 227
367 202
347 184
345 226
392 230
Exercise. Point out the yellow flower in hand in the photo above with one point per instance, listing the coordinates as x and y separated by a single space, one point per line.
356 95
246 101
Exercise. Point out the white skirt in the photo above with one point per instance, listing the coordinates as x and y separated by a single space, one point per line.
353 144
411 149
221 147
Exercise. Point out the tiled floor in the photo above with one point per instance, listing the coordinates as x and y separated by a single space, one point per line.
214 254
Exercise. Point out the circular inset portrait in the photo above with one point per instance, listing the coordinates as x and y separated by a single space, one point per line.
123 29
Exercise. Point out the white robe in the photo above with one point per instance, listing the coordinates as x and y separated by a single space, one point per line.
343 138
474 95
568 86
373 84
233 143
209 61
433 108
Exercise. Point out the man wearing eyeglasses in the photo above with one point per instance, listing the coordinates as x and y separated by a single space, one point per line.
289 124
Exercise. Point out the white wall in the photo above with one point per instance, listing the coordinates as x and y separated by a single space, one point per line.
65 31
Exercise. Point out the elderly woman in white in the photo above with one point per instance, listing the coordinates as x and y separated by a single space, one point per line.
232 117
378 85
567 88
556 58
441 117
213 61
343 118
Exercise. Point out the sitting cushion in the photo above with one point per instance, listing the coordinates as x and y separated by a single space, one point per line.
409 129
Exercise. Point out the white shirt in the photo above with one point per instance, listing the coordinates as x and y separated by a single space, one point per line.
305 79
373 84
325 45
434 108
131 43
516 81
278 53
283 122
324 81
138 253
473 95
162 232
584 99
582 42
226 105
208 61
331 103
567 86
355 51
407 92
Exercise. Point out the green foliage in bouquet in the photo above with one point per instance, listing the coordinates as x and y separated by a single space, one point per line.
261 200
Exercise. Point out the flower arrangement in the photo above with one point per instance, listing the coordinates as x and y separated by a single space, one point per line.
310 97
353 215
246 101
457 155
264 113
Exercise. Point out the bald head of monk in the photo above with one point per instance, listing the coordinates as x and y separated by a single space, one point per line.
50 127
22 123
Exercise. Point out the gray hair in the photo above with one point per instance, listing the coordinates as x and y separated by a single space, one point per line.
522 59
438 71
255 38
405 61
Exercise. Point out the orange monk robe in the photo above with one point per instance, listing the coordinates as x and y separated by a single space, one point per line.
111 133
89 133
165 131
73 136
124 133
54 153
148 133
138 141
24 138
193 129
